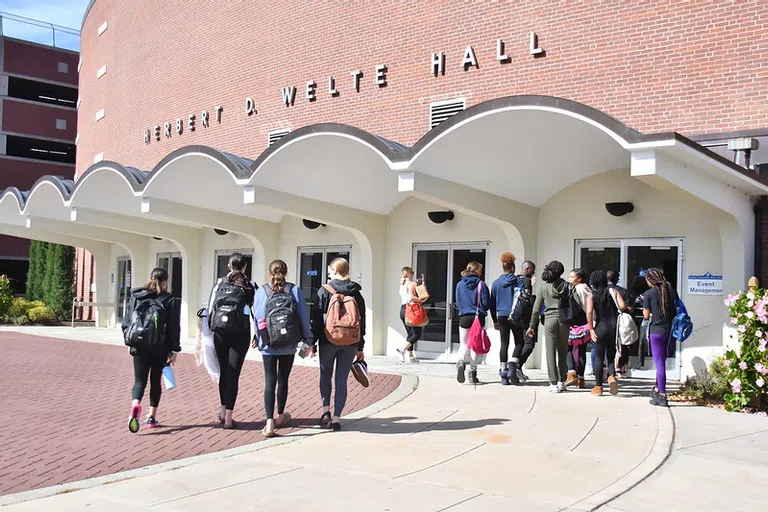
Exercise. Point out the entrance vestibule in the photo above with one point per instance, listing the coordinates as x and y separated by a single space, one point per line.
313 265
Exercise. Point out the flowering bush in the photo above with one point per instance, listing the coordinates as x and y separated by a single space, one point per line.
747 364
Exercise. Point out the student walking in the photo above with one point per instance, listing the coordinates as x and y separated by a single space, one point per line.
549 295
231 320
338 327
607 304
152 331
529 342
469 308
578 335
283 323
622 355
660 306
408 296
503 293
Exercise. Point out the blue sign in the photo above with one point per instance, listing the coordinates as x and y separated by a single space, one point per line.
312 273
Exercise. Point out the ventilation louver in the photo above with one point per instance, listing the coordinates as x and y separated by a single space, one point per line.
442 110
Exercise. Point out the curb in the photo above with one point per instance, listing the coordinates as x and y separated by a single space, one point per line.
656 457
408 384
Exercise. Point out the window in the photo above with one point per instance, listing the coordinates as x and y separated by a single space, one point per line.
276 135
63 67
222 259
41 92
28 147
442 110
61 124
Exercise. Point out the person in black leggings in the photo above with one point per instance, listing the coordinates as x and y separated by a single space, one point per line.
529 342
607 303
278 357
232 349
148 362
502 300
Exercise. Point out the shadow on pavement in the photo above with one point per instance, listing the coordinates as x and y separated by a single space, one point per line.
404 425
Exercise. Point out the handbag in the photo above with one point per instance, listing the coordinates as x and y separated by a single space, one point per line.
421 290
477 339
626 328
415 315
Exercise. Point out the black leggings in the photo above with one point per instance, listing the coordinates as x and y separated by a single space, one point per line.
605 348
506 328
413 334
148 366
231 356
277 369
529 343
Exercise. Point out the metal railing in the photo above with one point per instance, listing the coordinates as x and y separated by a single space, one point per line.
80 302
38 31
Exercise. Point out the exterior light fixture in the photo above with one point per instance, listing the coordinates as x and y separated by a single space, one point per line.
310 224
157 238
220 232
619 209
438 217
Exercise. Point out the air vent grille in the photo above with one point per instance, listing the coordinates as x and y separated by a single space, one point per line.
276 135
442 110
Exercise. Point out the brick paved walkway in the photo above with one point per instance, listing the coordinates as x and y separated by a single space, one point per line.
65 406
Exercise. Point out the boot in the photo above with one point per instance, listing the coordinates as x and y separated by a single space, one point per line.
504 374
460 368
512 371
572 379
473 376
581 384
613 385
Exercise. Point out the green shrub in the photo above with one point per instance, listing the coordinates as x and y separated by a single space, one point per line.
41 315
712 387
21 320
6 295
20 307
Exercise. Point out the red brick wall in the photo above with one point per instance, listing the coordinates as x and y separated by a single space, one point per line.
690 66
22 174
39 62
38 120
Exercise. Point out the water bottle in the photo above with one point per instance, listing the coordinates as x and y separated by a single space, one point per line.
168 377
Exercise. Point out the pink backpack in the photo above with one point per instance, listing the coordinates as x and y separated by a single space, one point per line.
477 339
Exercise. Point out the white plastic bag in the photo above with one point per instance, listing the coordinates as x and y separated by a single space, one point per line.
206 348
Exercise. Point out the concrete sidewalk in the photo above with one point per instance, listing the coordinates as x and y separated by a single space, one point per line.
446 446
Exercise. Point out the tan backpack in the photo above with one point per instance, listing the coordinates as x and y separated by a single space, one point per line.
342 320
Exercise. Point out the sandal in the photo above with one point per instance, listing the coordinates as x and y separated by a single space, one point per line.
219 418
286 419
266 433
232 426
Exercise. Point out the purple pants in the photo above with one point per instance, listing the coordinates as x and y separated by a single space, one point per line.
659 347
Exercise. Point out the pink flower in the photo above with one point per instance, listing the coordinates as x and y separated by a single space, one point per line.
750 315
760 368
763 344
728 363
734 321
743 365
736 385
750 296
759 382
742 329
759 333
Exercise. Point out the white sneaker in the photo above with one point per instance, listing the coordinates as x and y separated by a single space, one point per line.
402 355
553 388
561 387
413 360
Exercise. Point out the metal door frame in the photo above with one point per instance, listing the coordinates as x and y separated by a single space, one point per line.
122 259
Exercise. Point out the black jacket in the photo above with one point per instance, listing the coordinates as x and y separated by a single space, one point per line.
320 308
173 316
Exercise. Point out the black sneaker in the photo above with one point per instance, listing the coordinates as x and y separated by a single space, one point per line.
504 374
460 371
512 371
473 377
659 401
336 427
325 419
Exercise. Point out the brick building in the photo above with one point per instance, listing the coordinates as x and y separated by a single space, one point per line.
426 134
38 113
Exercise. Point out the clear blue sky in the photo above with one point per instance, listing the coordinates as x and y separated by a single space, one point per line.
67 13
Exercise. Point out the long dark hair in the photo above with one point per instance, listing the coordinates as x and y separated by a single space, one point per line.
581 274
598 281
156 278
277 271
656 278
552 271
237 275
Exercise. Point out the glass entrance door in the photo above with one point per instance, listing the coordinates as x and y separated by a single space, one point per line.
440 265
123 282
313 265
171 261
632 257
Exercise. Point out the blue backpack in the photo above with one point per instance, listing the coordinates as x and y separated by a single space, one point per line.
682 325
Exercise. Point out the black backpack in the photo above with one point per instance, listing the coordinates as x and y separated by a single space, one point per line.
522 306
282 317
570 311
227 316
146 329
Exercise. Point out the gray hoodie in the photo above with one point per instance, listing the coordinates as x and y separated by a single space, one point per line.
549 295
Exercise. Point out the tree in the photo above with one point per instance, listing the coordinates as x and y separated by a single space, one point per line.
62 273
37 256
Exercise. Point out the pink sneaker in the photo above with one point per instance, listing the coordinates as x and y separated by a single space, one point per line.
133 420
152 422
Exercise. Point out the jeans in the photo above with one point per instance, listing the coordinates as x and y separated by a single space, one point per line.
556 348
277 369
342 357
148 366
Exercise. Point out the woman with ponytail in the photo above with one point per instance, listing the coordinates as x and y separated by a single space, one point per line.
408 296
283 323
660 306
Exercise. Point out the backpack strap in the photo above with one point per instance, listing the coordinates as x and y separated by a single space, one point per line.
330 289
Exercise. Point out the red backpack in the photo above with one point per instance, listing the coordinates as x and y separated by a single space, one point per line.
477 339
